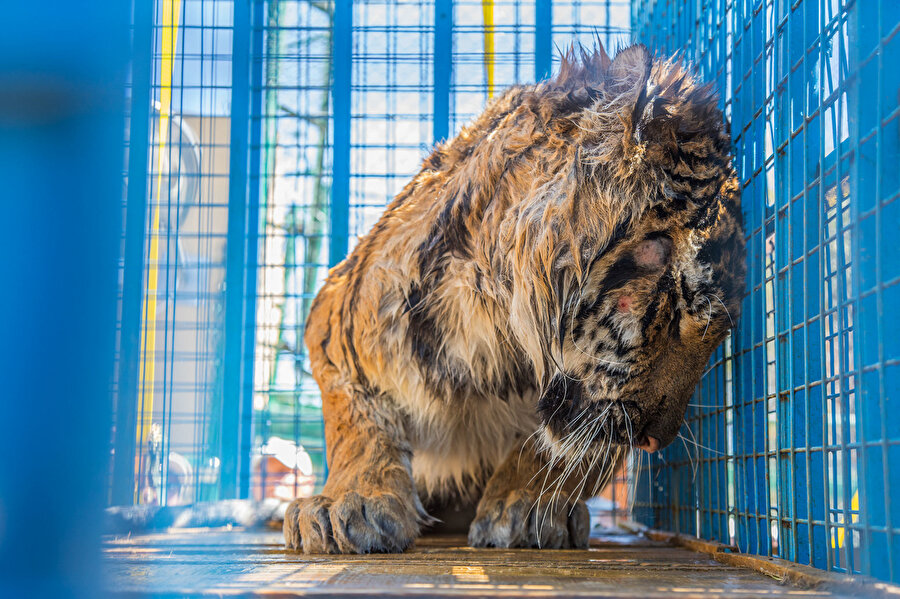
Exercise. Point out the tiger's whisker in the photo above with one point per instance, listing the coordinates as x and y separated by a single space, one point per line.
726 309
691 455
708 316
703 447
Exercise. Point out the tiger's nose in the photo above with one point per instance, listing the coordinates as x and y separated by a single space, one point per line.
648 444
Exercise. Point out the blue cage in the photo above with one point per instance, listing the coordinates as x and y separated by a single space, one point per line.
792 446
265 135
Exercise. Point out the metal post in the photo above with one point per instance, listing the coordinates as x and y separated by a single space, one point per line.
62 67
443 68
256 116
543 38
123 481
342 54
236 250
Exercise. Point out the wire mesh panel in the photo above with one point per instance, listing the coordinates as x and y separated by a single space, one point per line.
296 162
789 442
172 302
498 44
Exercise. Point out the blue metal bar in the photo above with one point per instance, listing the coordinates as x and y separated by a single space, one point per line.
63 67
249 317
862 186
123 481
817 359
543 38
236 251
341 90
789 173
443 68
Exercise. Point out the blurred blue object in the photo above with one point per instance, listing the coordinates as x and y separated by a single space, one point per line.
62 95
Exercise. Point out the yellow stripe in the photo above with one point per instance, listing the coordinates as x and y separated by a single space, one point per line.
854 506
169 41
487 9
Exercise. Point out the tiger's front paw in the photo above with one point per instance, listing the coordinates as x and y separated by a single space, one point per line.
519 519
350 523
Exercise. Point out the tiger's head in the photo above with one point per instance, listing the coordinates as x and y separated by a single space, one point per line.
637 249
652 310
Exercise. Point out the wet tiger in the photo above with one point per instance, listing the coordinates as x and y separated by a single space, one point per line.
540 299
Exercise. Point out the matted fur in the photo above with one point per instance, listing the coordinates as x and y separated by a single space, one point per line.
542 295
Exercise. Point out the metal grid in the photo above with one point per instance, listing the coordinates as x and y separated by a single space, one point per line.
168 393
289 126
790 448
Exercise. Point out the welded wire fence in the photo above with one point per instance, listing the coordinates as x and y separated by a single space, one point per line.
790 446
264 136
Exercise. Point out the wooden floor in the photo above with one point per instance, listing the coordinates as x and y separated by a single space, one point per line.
217 563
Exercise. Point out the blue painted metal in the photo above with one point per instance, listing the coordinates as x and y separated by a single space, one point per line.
63 68
443 68
236 248
245 446
814 119
342 56
123 483
543 38
790 428
875 131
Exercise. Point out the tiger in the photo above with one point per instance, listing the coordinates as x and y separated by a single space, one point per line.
536 304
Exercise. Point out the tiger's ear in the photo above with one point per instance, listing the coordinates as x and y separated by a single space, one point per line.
628 77
630 70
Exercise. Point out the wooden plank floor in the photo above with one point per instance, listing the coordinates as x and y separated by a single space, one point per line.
205 562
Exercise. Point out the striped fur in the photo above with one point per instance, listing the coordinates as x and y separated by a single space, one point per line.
549 286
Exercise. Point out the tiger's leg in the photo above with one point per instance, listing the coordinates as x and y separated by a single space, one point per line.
530 501
369 502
